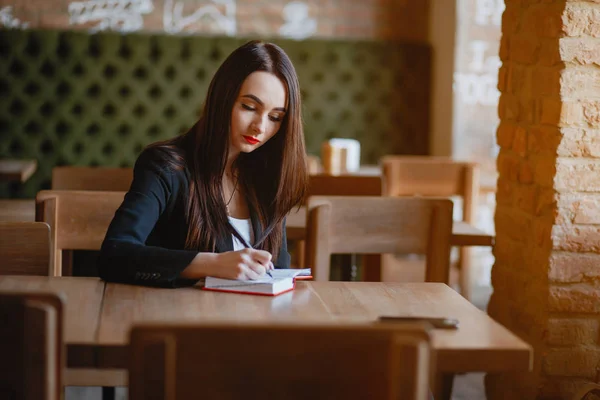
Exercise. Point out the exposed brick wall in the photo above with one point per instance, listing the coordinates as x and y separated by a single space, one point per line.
547 273
368 19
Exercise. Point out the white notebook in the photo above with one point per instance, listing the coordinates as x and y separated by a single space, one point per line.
283 280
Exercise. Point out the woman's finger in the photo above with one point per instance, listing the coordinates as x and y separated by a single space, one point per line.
257 268
251 274
261 256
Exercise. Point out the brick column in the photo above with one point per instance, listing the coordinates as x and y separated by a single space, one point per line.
546 276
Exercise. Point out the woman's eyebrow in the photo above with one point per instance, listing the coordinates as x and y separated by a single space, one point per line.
259 101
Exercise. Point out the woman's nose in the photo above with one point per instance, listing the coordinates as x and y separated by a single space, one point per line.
259 123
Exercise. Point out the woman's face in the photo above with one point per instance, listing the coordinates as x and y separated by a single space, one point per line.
257 112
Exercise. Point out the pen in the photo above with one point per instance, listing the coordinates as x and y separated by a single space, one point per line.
251 247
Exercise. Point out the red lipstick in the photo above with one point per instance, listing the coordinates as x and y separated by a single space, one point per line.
251 140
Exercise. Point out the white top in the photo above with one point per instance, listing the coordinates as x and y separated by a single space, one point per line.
244 228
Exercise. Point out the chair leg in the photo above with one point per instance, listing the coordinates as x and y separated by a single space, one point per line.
465 266
67 263
443 386
108 393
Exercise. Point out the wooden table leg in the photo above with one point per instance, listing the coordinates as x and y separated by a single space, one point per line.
443 386
108 393
465 267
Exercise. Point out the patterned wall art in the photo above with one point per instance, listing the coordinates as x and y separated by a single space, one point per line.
8 21
298 24
222 12
116 15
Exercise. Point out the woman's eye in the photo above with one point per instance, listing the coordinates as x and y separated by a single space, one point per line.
275 118
247 107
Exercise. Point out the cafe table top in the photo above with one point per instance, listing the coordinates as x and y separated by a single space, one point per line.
463 234
17 170
100 315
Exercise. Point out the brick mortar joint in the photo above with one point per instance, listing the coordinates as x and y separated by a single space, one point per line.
581 284
574 316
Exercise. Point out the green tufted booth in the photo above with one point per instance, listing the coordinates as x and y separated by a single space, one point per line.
74 98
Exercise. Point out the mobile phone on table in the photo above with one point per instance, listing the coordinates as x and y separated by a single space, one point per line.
438 323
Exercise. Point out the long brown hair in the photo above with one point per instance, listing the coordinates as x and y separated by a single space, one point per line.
274 177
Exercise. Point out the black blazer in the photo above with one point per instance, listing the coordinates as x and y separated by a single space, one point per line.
145 241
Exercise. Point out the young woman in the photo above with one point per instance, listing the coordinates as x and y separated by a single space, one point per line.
213 201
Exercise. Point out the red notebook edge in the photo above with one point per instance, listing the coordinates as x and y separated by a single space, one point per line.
303 278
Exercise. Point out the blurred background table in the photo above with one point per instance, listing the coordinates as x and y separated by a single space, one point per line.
17 170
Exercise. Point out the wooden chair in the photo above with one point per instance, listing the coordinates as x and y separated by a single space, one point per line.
338 185
180 362
78 220
31 344
437 177
17 210
24 248
92 178
367 225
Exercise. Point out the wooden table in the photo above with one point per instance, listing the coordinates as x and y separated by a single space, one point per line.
99 316
17 170
83 302
463 234
17 210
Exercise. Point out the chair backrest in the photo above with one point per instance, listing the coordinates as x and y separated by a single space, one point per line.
375 225
180 362
78 219
432 176
344 185
92 178
31 345
24 248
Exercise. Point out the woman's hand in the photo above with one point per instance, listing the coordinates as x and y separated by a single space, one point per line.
241 264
